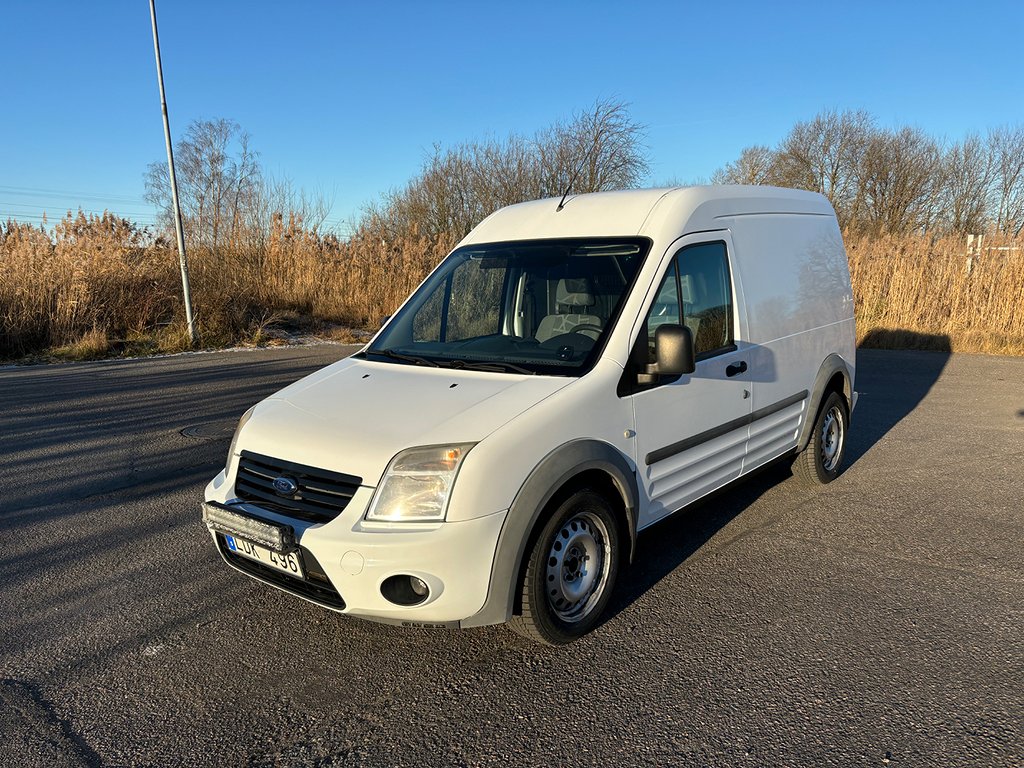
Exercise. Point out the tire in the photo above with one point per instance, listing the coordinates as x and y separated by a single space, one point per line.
821 461
570 571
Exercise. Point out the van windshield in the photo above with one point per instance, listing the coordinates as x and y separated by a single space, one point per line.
536 306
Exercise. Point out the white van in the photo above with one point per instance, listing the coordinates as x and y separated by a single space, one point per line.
569 375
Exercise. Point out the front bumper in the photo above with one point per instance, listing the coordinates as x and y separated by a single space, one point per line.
356 557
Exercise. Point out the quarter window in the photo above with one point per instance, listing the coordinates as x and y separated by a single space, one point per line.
665 309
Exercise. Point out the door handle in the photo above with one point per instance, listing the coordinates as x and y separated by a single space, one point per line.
736 368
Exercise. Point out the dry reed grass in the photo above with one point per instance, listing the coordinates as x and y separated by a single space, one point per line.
90 273
98 286
57 289
919 293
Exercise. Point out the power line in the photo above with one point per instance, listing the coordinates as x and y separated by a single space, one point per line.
59 215
41 218
151 216
35 218
118 211
39 192
144 218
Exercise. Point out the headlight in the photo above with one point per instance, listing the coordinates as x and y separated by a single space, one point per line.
417 484
234 438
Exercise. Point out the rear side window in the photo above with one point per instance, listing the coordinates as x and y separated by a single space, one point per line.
697 289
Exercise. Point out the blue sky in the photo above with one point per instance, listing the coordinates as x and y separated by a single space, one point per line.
345 99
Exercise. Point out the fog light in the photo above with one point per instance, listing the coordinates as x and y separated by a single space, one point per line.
419 586
404 590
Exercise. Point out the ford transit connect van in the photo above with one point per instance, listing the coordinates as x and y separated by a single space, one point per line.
569 375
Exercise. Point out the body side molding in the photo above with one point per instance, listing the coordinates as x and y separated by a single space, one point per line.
722 429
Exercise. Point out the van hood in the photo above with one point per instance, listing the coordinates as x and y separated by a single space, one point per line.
355 415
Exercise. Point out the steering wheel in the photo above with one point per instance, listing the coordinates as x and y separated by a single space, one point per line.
588 327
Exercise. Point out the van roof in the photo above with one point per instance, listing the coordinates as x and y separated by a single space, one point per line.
656 213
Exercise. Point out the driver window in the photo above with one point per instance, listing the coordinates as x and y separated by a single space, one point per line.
696 288
706 297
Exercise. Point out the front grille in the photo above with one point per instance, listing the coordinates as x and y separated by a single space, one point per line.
321 495
324 594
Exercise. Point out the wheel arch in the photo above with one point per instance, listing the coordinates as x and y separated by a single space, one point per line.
833 376
572 465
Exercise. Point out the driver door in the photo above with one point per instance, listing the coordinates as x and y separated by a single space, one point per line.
691 430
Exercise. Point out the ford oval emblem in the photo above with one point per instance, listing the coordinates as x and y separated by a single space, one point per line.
285 486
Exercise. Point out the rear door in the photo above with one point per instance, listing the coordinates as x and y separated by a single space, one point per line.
691 431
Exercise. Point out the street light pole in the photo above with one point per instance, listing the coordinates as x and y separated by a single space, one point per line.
174 184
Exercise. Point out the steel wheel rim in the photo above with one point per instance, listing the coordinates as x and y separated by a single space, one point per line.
577 567
833 436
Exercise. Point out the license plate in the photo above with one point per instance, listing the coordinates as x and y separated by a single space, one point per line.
290 563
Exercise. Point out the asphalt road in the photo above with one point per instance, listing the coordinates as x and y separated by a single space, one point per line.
877 621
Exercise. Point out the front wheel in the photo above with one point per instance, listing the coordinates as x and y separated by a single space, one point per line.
820 461
570 571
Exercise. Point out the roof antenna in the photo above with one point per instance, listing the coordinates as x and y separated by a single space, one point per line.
561 203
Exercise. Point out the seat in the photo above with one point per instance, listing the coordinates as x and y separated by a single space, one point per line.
570 294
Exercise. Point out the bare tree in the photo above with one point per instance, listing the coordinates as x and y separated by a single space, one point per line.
824 154
898 181
219 178
602 144
459 186
895 180
1007 147
440 199
965 185
755 165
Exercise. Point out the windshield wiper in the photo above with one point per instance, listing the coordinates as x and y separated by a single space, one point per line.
406 358
491 366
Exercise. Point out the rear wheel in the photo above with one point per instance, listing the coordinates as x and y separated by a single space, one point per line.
570 571
820 461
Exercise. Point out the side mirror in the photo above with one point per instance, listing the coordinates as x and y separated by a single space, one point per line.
673 350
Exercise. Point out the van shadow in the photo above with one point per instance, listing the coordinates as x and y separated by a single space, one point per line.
901 339
891 383
896 369
669 543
